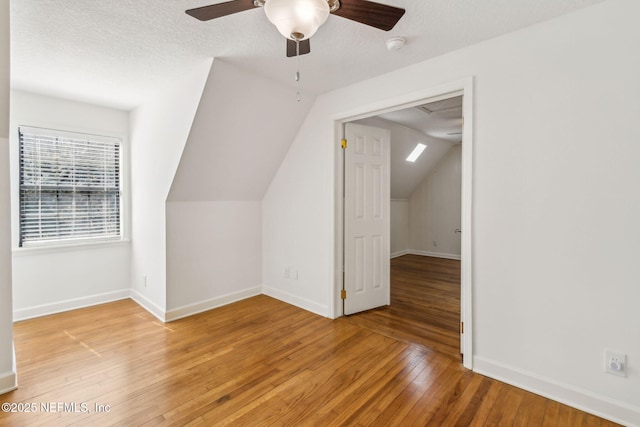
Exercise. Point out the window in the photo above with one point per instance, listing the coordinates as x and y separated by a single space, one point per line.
69 187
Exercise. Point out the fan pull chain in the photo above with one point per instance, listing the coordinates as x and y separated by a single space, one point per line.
298 96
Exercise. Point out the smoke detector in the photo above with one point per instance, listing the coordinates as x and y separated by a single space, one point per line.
396 43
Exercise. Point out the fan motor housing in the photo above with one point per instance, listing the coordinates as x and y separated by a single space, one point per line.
333 4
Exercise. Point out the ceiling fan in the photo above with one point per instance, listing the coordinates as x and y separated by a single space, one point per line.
298 20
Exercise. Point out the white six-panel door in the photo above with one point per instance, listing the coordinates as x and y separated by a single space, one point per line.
366 221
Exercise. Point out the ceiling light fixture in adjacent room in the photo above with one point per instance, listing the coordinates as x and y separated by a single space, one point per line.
416 153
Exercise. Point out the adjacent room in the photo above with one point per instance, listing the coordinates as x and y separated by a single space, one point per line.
391 213
425 225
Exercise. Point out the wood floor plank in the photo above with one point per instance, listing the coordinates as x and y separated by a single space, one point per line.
263 362
488 400
425 304
369 411
405 401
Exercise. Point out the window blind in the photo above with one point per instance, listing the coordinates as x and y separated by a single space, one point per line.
69 186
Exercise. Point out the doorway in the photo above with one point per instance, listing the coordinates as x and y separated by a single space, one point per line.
464 89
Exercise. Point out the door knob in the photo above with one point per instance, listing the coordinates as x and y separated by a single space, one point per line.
458 231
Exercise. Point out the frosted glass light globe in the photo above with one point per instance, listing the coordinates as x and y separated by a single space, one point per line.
297 18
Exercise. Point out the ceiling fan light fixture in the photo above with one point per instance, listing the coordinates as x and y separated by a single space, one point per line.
297 19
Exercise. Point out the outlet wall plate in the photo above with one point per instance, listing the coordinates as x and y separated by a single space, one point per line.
615 363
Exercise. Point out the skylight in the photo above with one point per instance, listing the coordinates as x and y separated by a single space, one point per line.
416 153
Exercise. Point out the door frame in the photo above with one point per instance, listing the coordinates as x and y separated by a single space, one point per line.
462 87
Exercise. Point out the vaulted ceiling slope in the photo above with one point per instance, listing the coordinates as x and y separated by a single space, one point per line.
407 176
242 129
438 125
118 53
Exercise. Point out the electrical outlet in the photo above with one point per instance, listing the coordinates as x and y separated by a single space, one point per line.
615 363
287 272
435 244
145 280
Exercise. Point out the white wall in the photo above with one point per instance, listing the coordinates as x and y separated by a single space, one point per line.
214 254
434 209
7 361
159 130
214 215
297 219
48 280
242 129
556 206
399 218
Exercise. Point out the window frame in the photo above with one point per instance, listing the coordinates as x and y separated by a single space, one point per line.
71 241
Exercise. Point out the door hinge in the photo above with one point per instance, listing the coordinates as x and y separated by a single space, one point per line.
343 294
462 327
343 143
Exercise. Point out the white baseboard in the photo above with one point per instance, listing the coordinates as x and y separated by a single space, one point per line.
141 300
170 315
434 254
148 305
300 302
584 400
199 307
66 305
399 254
8 382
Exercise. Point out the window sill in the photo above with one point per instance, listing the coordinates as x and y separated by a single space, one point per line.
69 247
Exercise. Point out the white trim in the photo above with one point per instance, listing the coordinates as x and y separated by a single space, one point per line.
413 99
8 382
148 305
434 254
337 305
66 305
399 254
466 222
199 307
581 399
461 87
94 244
170 315
305 304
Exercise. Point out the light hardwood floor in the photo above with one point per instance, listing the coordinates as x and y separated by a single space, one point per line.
258 362
425 304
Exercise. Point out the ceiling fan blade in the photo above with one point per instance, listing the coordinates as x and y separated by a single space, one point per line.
305 47
213 11
369 13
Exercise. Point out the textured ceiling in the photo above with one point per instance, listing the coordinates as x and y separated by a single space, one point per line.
118 52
